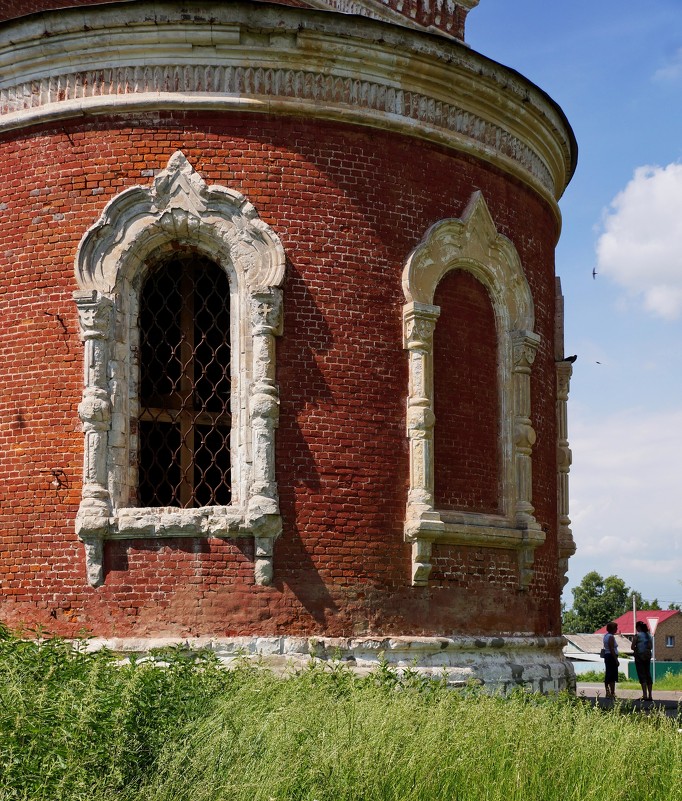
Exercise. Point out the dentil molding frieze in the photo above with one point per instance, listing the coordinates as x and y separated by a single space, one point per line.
240 56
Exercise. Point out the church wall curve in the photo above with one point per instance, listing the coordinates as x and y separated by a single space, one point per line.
349 203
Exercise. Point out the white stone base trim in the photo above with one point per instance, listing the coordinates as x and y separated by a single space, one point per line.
499 664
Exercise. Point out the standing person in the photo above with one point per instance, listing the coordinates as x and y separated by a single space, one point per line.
642 647
610 655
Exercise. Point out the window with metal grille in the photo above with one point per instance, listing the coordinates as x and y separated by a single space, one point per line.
184 422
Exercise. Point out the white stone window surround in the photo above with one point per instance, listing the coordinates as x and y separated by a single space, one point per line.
564 371
138 228
471 243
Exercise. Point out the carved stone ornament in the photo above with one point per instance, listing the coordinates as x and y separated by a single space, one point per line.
472 244
566 542
139 227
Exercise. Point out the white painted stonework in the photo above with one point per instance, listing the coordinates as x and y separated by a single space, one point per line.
564 457
137 228
472 244
146 57
499 664
564 370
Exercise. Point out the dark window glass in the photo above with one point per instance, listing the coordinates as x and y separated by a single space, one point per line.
184 424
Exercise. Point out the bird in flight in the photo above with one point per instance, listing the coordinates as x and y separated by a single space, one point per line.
594 272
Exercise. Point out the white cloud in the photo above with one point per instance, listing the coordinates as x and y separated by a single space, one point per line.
626 500
640 247
673 70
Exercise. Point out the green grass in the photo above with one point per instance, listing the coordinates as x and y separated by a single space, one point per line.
75 726
671 682
597 677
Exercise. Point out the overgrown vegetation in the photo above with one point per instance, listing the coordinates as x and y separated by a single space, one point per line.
73 723
81 726
670 682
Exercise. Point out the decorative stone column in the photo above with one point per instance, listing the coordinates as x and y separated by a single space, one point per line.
95 315
263 503
566 543
421 519
525 345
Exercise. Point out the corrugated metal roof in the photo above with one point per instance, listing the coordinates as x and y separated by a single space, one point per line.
593 643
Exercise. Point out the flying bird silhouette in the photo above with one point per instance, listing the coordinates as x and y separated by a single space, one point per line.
594 272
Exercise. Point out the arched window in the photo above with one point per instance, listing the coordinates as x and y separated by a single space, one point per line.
495 509
179 305
184 421
466 397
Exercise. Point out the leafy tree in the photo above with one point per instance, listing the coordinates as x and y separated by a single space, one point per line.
597 600
642 604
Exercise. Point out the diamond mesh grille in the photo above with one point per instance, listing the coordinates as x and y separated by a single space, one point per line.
184 423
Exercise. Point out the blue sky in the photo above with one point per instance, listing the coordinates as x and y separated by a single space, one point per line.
616 70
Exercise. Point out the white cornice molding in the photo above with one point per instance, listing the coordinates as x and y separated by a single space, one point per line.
241 56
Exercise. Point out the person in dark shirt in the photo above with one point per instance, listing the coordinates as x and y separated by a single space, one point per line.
610 656
642 648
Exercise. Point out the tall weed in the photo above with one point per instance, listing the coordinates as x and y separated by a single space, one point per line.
317 738
179 727
73 724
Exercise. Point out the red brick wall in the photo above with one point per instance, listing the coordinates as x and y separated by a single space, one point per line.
349 204
429 13
466 397
441 14
10 9
672 627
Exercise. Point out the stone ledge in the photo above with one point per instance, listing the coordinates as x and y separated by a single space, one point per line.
500 664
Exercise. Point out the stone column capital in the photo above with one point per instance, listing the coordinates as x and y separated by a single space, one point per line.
525 345
266 311
95 314
419 321
564 371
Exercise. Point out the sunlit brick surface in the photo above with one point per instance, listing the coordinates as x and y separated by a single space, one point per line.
467 398
348 205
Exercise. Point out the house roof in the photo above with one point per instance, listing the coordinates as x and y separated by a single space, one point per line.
592 643
625 624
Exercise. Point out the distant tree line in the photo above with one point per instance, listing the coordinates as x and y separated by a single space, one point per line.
597 600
